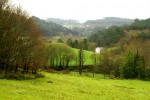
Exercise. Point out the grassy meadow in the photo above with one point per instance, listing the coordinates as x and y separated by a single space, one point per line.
87 57
57 86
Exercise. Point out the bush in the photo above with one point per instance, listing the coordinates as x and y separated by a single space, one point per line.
134 66
20 76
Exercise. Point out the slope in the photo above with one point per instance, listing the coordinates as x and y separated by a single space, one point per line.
52 29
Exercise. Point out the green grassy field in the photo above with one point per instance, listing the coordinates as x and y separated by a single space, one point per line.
74 87
87 57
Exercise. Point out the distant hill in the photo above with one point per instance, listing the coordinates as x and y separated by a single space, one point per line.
54 26
51 28
66 23
106 22
91 26
109 21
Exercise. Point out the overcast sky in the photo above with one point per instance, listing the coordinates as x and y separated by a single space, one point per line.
83 10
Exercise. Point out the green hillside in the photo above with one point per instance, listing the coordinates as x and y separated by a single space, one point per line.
52 29
87 57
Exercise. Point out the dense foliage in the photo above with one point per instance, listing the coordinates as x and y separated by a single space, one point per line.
20 41
108 36
140 24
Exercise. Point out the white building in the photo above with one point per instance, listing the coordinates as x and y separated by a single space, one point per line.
98 50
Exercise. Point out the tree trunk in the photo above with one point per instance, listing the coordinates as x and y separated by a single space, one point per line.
67 63
27 69
6 70
34 70
24 68
16 68
80 70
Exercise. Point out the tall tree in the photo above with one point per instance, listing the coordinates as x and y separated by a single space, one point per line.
81 58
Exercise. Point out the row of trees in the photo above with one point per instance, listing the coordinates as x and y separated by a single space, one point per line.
20 40
86 44
61 56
